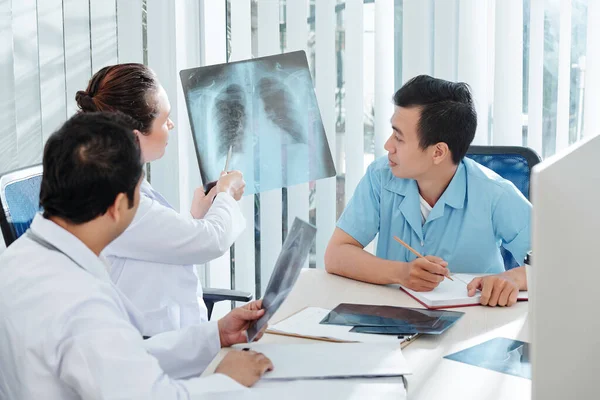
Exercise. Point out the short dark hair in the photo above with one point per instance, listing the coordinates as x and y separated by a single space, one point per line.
447 112
123 87
90 160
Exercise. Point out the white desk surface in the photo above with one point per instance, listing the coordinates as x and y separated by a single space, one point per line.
433 376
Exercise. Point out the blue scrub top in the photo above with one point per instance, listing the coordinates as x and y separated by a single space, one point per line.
477 214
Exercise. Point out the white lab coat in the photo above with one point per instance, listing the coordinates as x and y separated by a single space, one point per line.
152 261
68 333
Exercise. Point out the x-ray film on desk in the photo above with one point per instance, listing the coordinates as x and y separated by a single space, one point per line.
266 111
376 319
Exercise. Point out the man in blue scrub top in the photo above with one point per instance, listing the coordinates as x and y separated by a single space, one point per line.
445 206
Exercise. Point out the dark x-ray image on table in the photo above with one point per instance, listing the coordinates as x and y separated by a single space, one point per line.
266 111
369 318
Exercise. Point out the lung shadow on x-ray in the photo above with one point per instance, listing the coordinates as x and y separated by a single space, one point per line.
230 113
280 106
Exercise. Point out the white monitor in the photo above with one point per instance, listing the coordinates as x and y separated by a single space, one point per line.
565 307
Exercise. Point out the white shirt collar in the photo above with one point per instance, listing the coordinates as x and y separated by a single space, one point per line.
70 245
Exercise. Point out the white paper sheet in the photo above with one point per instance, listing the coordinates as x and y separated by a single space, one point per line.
332 360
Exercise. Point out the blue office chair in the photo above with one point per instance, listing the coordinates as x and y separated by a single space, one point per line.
512 163
20 201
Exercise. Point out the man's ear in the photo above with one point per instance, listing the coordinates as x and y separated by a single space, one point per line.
441 152
121 203
137 134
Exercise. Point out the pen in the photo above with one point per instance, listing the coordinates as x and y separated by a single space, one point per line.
212 184
416 253
228 159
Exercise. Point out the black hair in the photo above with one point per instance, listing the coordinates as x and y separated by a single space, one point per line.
90 160
447 112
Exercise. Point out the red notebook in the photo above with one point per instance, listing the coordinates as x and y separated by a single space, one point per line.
452 293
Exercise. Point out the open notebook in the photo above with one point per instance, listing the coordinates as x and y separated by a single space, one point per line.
452 293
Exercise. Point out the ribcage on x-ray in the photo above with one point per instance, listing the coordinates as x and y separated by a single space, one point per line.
230 114
280 107
232 119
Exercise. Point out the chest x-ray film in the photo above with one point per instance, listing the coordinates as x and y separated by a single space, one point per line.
499 354
367 318
293 254
266 111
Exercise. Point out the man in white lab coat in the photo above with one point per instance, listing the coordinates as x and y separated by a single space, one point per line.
66 332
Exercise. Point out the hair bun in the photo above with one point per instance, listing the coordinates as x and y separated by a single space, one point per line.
85 101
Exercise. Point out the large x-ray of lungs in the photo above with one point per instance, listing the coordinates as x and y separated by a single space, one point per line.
266 110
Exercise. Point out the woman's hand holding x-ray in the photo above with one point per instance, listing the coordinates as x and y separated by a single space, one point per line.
231 182
202 202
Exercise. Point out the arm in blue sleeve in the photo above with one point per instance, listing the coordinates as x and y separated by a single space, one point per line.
360 219
512 223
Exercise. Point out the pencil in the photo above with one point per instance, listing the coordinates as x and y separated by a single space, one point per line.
416 253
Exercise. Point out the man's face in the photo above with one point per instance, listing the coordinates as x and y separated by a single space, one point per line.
407 159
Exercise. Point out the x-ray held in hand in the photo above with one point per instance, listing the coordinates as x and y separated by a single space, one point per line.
265 111
294 253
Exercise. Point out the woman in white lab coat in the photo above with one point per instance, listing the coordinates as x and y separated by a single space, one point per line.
152 261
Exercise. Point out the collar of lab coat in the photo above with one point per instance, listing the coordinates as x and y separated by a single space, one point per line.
149 191
70 245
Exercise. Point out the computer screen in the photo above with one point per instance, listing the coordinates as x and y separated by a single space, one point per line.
564 320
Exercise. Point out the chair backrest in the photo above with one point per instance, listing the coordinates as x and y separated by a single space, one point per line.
19 201
512 163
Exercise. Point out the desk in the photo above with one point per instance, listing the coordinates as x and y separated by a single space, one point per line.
433 376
